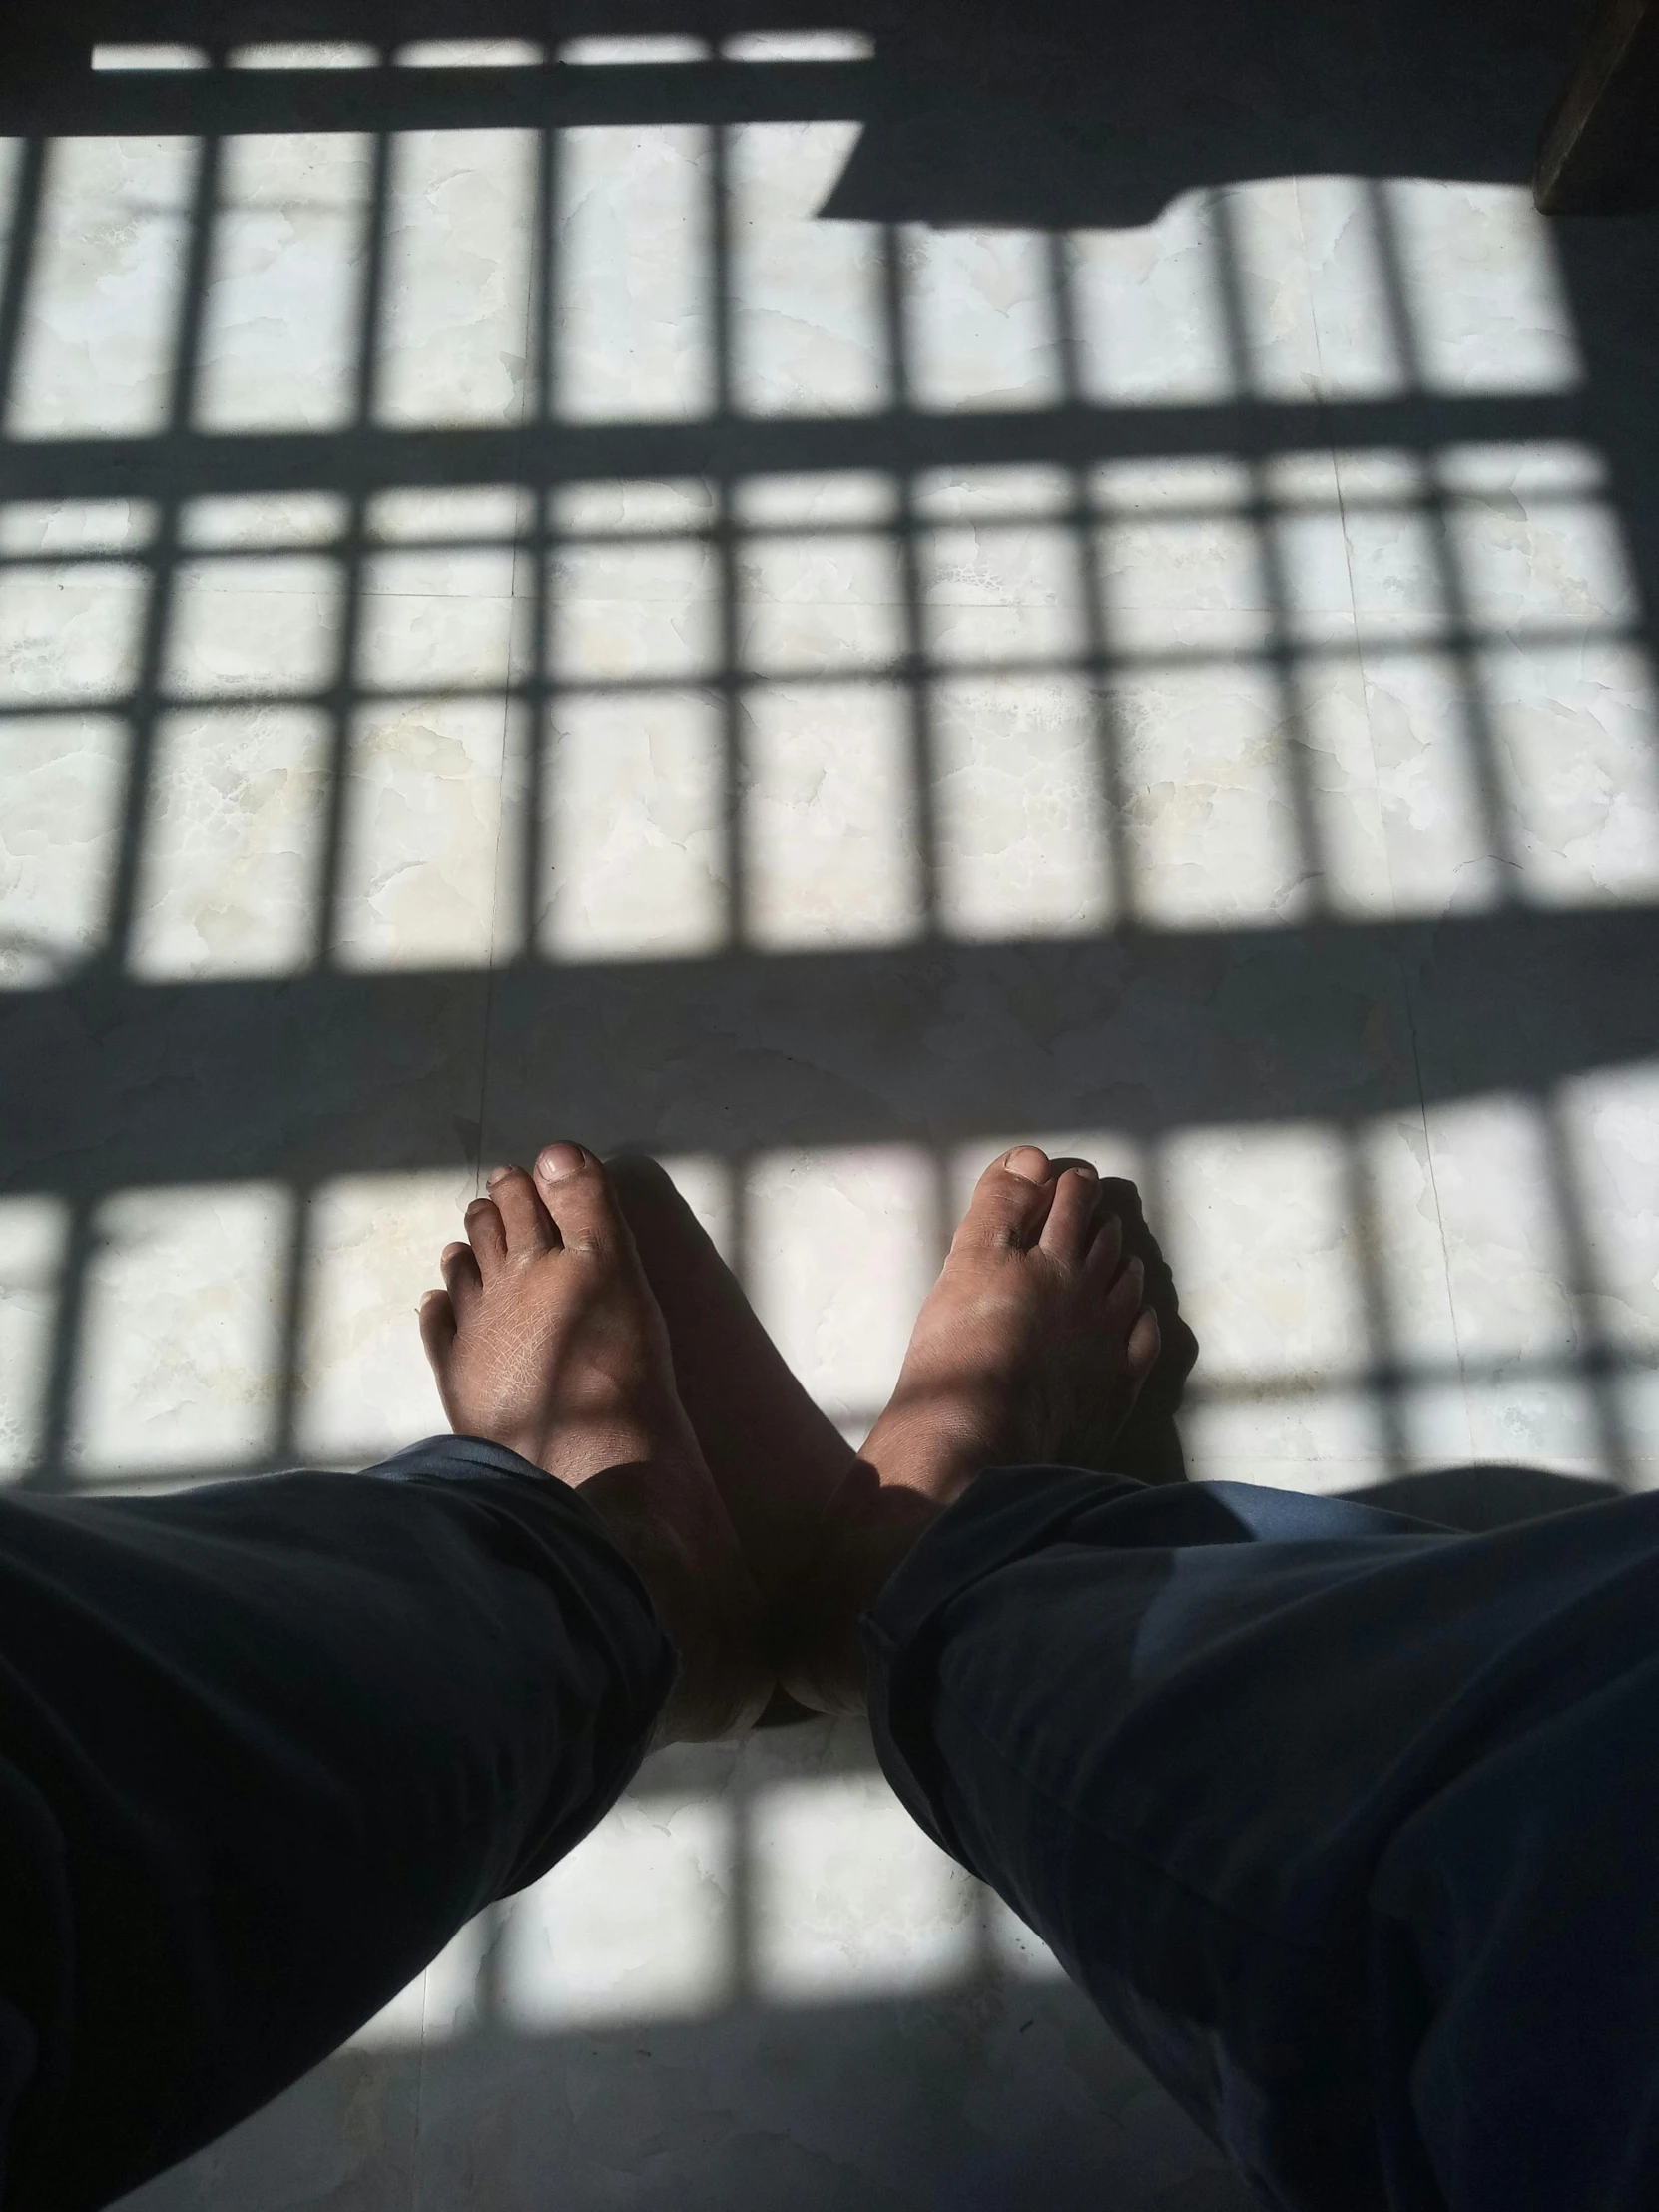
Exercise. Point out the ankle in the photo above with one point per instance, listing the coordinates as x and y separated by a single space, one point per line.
931 1444
868 1527
667 1517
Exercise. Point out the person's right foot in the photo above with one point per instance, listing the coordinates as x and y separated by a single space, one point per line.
546 1338
1033 1346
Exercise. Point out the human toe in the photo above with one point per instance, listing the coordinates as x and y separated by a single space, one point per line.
1069 1228
523 1216
487 1234
1126 1298
462 1278
1141 1351
579 1196
1010 1201
1105 1246
437 1326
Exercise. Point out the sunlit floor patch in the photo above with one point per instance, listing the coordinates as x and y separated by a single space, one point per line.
851 1899
181 1343
634 1926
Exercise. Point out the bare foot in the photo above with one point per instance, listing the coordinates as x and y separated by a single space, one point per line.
1033 1343
1033 1346
546 1338
1148 1445
777 1458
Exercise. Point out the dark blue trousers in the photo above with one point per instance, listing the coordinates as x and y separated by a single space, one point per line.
1347 1824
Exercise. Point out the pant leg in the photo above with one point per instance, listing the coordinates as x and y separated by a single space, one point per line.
263 1746
1349 1826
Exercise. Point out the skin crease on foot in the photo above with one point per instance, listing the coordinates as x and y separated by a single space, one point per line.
1034 1344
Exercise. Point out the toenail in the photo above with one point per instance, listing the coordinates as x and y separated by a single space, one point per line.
494 1176
1023 1150
558 1160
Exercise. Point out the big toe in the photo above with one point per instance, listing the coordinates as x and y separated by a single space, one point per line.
578 1195
1011 1200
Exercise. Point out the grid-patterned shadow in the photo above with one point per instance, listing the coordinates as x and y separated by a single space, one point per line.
523 625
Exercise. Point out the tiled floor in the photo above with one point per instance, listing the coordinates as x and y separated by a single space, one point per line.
511 628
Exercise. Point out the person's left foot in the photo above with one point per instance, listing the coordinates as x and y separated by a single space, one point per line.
1033 1346
546 1338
